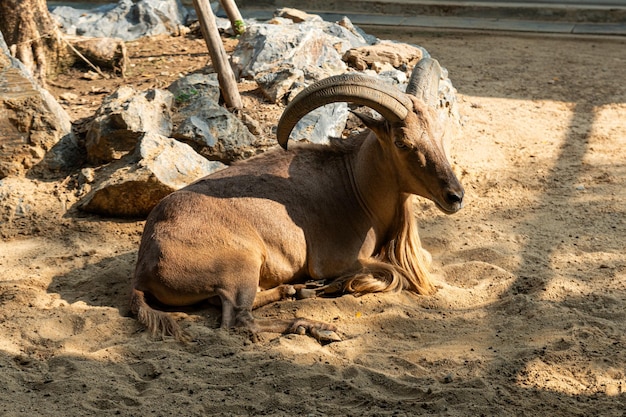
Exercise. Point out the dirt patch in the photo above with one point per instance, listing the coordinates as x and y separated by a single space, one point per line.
529 319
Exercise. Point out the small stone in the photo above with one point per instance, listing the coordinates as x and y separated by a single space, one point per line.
87 176
68 96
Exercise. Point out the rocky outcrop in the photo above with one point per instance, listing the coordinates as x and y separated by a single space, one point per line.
127 19
131 187
125 116
35 131
205 125
142 145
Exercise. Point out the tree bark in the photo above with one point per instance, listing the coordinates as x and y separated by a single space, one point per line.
219 59
236 21
32 36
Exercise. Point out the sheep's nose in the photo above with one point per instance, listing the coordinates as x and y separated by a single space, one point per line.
453 197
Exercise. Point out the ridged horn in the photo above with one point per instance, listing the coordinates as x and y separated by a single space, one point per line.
424 81
360 89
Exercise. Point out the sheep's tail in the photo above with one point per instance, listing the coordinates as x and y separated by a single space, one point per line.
158 323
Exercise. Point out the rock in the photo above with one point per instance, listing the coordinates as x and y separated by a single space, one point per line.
68 97
65 156
347 35
322 123
395 53
127 20
123 117
277 83
285 82
251 123
86 176
222 23
103 52
325 336
17 198
264 47
284 57
361 36
390 75
213 132
344 35
184 89
297 16
379 67
131 187
35 132
131 131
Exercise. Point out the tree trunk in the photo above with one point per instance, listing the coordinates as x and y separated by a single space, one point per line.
32 36
219 59
236 21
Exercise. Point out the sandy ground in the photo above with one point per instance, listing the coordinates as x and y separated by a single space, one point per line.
529 319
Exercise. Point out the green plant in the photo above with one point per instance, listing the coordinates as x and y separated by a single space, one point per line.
239 27
185 96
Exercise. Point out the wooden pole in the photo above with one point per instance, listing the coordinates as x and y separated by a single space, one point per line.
236 21
225 74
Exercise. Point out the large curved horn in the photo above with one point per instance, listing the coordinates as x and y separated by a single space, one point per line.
424 81
391 103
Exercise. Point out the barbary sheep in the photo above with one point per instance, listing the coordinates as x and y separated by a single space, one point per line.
256 231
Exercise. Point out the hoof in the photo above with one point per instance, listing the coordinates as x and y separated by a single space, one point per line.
322 332
287 291
325 336
303 293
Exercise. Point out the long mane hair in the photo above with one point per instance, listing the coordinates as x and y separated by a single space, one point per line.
401 263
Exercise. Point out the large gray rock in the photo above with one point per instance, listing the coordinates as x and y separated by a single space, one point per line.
276 84
360 36
293 51
322 123
187 88
123 117
281 84
213 131
347 35
35 132
133 186
264 47
127 20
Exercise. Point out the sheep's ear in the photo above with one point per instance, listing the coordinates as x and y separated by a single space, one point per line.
379 126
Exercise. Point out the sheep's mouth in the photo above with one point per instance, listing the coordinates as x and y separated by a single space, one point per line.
449 208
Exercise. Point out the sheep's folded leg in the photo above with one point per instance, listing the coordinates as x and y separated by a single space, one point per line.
322 332
279 293
284 292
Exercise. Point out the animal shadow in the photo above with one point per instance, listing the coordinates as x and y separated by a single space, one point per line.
106 283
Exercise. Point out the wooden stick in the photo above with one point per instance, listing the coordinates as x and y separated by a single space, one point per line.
236 21
97 69
225 74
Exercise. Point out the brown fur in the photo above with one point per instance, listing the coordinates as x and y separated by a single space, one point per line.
159 323
253 233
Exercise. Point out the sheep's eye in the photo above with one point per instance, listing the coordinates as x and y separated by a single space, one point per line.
401 145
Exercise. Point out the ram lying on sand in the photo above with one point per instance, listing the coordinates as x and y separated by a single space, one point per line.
255 232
